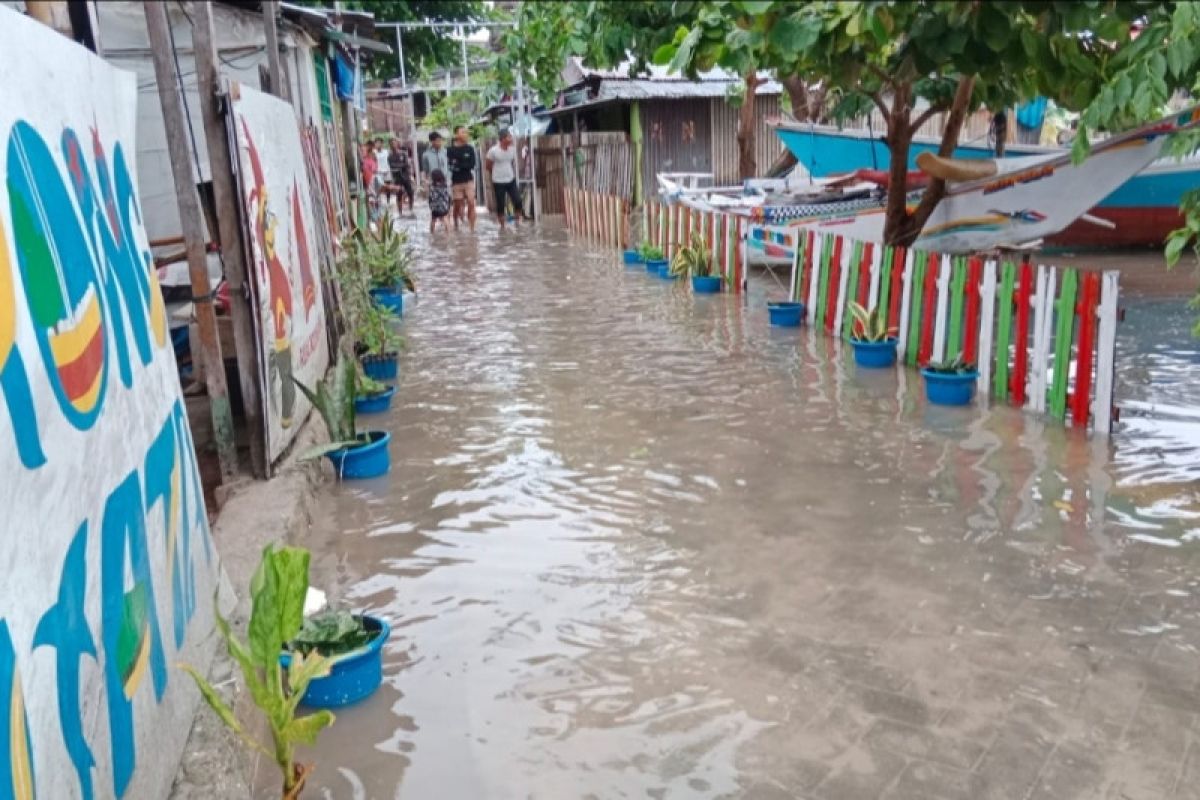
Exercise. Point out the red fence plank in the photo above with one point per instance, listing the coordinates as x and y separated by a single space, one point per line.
1021 339
1081 398
929 309
971 322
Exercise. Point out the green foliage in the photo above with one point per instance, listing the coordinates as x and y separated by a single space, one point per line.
277 593
334 400
693 259
650 252
870 326
331 632
366 386
954 366
367 259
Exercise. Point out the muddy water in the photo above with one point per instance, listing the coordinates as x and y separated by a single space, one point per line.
639 544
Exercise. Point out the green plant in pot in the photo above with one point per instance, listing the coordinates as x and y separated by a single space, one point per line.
950 382
873 340
353 454
277 593
652 255
695 260
387 258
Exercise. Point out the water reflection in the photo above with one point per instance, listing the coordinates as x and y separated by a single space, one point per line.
640 544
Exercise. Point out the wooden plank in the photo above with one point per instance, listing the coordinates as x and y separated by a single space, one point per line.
929 308
895 300
914 290
229 228
987 312
813 275
1039 357
875 270
1023 299
845 268
1107 316
850 281
797 261
1004 323
1064 334
940 349
1086 312
970 340
958 291
192 224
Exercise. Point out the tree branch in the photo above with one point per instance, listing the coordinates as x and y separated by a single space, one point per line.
924 116
877 99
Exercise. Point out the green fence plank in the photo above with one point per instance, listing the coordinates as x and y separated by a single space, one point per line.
823 292
1064 331
916 293
958 283
885 280
851 289
1004 321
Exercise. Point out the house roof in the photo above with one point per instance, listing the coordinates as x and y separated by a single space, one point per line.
657 82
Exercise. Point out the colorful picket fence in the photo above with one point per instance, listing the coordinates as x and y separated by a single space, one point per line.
1043 337
668 225
601 218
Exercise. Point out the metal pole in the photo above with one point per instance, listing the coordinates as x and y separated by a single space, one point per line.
192 224
279 87
411 124
466 64
228 203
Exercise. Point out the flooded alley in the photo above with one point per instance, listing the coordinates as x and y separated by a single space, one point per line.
636 543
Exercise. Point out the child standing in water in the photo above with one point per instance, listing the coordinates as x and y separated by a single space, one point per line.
439 201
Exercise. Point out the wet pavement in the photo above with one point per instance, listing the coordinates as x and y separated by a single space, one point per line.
637 544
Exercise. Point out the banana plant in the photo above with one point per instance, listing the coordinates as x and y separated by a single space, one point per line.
277 592
870 326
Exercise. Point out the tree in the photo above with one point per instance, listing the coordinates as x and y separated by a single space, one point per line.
912 61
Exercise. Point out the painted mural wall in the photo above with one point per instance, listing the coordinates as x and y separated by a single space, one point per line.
107 562
285 257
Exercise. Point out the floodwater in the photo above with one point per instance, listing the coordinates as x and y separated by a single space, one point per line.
637 544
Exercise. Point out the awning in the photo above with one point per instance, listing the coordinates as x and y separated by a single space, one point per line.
588 106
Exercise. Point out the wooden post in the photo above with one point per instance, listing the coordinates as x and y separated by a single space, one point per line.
193 233
228 203
279 86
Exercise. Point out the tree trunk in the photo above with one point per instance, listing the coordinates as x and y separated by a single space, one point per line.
747 164
899 139
910 226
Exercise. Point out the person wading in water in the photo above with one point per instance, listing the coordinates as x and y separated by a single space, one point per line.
461 156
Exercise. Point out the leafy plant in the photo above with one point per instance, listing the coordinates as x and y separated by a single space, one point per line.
650 252
693 259
870 326
375 332
334 401
954 366
277 591
366 386
384 256
331 633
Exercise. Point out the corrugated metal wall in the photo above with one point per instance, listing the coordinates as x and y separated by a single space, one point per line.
724 132
677 137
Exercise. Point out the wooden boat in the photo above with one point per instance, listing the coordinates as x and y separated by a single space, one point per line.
1010 202
1142 210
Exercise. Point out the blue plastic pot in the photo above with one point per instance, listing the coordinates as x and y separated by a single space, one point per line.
353 676
655 265
706 284
381 367
390 299
374 403
785 314
632 257
874 354
949 390
367 460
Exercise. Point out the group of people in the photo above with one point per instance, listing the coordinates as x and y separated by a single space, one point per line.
448 177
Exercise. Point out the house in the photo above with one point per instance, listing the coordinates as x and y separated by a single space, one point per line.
685 125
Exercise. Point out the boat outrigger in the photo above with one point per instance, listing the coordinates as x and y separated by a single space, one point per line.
989 204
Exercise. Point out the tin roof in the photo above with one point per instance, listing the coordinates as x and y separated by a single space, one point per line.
658 82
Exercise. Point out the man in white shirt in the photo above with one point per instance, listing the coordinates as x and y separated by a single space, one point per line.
502 167
381 160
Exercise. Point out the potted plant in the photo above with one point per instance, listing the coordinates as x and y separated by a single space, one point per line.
873 341
387 260
950 383
695 260
353 454
353 644
371 396
785 313
653 257
635 257
277 594
378 344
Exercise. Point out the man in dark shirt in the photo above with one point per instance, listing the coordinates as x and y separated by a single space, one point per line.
461 157
401 166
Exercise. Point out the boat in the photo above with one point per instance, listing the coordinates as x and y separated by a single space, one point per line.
989 204
1142 210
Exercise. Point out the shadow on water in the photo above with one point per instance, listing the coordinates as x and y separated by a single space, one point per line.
640 544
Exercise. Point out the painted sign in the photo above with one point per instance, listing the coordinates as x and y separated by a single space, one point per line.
107 562
286 275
